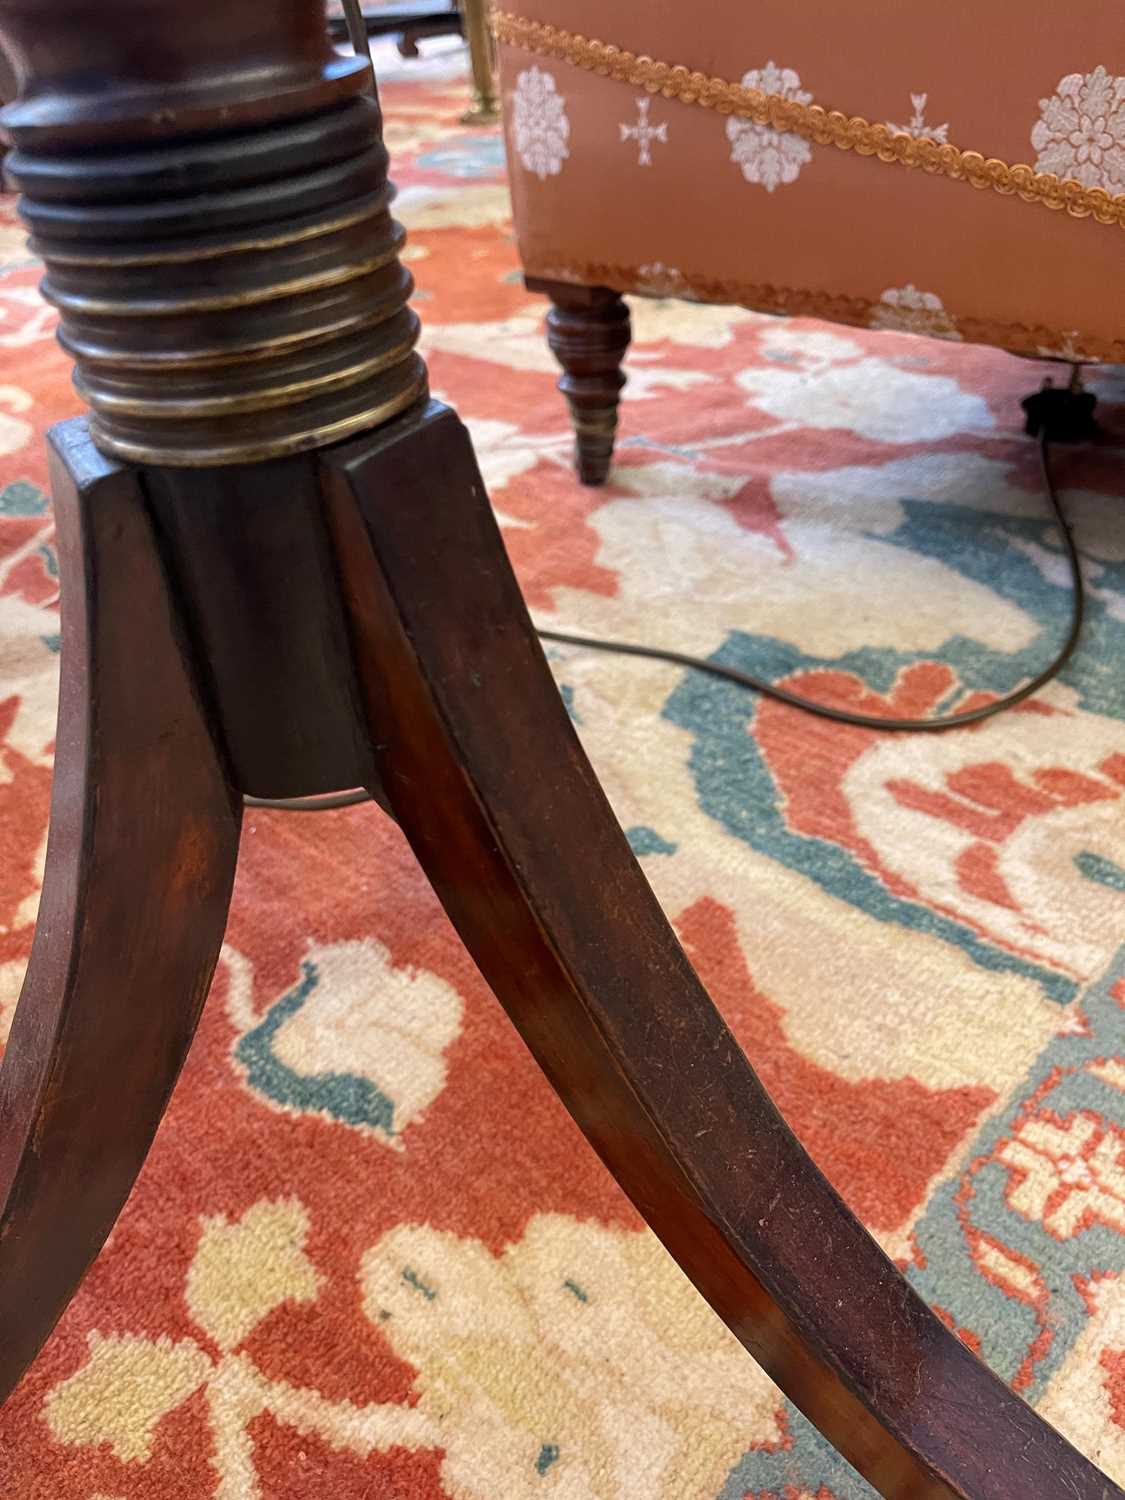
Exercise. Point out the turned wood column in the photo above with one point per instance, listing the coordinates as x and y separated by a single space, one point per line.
589 330
206 182
213 212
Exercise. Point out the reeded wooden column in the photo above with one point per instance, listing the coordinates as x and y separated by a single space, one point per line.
226 267
214 215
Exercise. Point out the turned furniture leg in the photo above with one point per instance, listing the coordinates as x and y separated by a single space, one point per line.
140 861
588 330
517 838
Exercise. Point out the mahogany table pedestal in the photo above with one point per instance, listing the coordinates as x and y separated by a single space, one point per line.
281 576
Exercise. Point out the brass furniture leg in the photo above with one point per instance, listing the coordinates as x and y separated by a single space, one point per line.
482 59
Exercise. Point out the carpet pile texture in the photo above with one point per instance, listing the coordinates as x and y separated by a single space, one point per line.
370 1257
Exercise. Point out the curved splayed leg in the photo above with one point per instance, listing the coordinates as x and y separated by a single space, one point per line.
481 766
140 862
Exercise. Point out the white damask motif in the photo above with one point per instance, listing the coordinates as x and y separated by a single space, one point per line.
917 126
1081 130
659 280
768 157
1066 346
540 128
644 132
907 310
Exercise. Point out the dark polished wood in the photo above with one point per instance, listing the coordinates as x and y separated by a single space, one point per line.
410 634
150 69
251 566
589 331
7 91
518 840
230 297
140 861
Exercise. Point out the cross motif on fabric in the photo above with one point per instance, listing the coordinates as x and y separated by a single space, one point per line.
918 126
644 132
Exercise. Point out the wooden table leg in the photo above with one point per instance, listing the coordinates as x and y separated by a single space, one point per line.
408 21
219 243
140 861
482 768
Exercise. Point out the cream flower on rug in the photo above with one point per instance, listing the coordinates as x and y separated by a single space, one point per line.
699 325
769 157
1081 130
15 432
579 1363
1083 1399
1068 1174
421 207
871 397
540 128
11 981
905 309
24 317
29 665
243 1270
14 253
356 1038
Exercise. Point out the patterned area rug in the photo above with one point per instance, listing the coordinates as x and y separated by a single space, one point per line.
370 1256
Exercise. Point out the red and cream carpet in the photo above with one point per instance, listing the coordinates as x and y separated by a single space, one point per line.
370 1258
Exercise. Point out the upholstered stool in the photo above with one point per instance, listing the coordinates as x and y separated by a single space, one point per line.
863 164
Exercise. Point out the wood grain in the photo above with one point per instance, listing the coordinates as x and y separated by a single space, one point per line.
140 861
515 833
248 557
588 329
107 70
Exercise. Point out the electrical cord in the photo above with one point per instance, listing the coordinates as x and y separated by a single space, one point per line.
329 803
878 721
1065 415
1053 414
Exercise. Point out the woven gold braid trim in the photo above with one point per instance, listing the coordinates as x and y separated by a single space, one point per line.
825 127
1039 341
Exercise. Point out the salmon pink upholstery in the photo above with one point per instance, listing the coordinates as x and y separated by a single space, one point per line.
614 186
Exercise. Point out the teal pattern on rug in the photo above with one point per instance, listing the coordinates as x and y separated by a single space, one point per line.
346 1097
733 779
1009 1331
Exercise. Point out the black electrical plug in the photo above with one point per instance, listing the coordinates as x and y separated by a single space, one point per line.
1063 414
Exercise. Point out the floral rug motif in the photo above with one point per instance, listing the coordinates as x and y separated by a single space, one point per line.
370 1255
